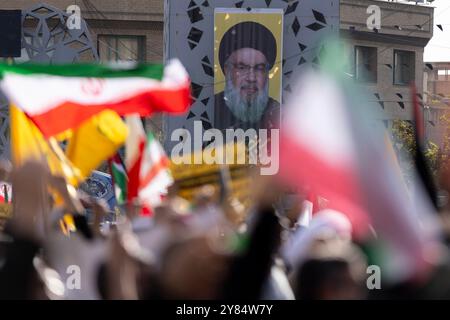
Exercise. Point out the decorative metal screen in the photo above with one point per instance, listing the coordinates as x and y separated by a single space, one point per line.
47 39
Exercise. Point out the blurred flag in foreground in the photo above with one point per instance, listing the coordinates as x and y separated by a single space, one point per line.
331 143
318 150
96 140
420 161
61 97
88 146
147 164
27 143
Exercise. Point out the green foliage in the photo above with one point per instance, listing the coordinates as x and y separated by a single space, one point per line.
403 134
404 140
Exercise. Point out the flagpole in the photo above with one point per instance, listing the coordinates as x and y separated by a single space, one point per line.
5 193
420 162
225 184
46 227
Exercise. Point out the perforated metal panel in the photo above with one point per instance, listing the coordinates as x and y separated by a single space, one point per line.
4 127
47 39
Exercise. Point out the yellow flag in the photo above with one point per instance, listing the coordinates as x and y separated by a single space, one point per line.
28 143
96 140
26 140
65 135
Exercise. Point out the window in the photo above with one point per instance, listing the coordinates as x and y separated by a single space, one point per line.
121 48
366 64
404 71
443 74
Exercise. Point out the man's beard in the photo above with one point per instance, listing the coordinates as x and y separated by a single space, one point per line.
243 109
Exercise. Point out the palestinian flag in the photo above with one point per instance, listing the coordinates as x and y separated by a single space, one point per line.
147 164
61 97
120 178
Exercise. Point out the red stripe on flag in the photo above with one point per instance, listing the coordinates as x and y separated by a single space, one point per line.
133 175
70 115
161 165
339 185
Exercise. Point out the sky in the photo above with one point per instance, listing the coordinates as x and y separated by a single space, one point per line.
438 49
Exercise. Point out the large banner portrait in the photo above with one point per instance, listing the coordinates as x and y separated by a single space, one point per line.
248 51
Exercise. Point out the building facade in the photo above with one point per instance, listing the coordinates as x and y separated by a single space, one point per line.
120 30
437 82
437 100
384 62
126 30
388 60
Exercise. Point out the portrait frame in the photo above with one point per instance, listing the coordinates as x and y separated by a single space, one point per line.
273 20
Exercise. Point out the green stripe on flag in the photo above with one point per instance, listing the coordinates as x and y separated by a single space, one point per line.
153 71
150 138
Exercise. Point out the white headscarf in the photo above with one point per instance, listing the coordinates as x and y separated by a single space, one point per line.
325 222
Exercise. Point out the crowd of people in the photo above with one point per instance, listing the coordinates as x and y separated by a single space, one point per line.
208 248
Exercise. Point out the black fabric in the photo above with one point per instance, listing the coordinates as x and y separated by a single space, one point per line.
424 171
82 226
248 35
102 281
10 33
250 270
314 274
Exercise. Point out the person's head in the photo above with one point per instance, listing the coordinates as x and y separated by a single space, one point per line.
247 53
191 269
334 270
247 71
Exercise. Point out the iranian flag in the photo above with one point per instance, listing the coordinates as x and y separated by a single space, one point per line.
147 163
332 144
318 150
61 97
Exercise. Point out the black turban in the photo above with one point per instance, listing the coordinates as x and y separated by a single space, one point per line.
248 35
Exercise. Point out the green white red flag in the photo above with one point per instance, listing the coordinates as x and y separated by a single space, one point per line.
147 163
61 97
